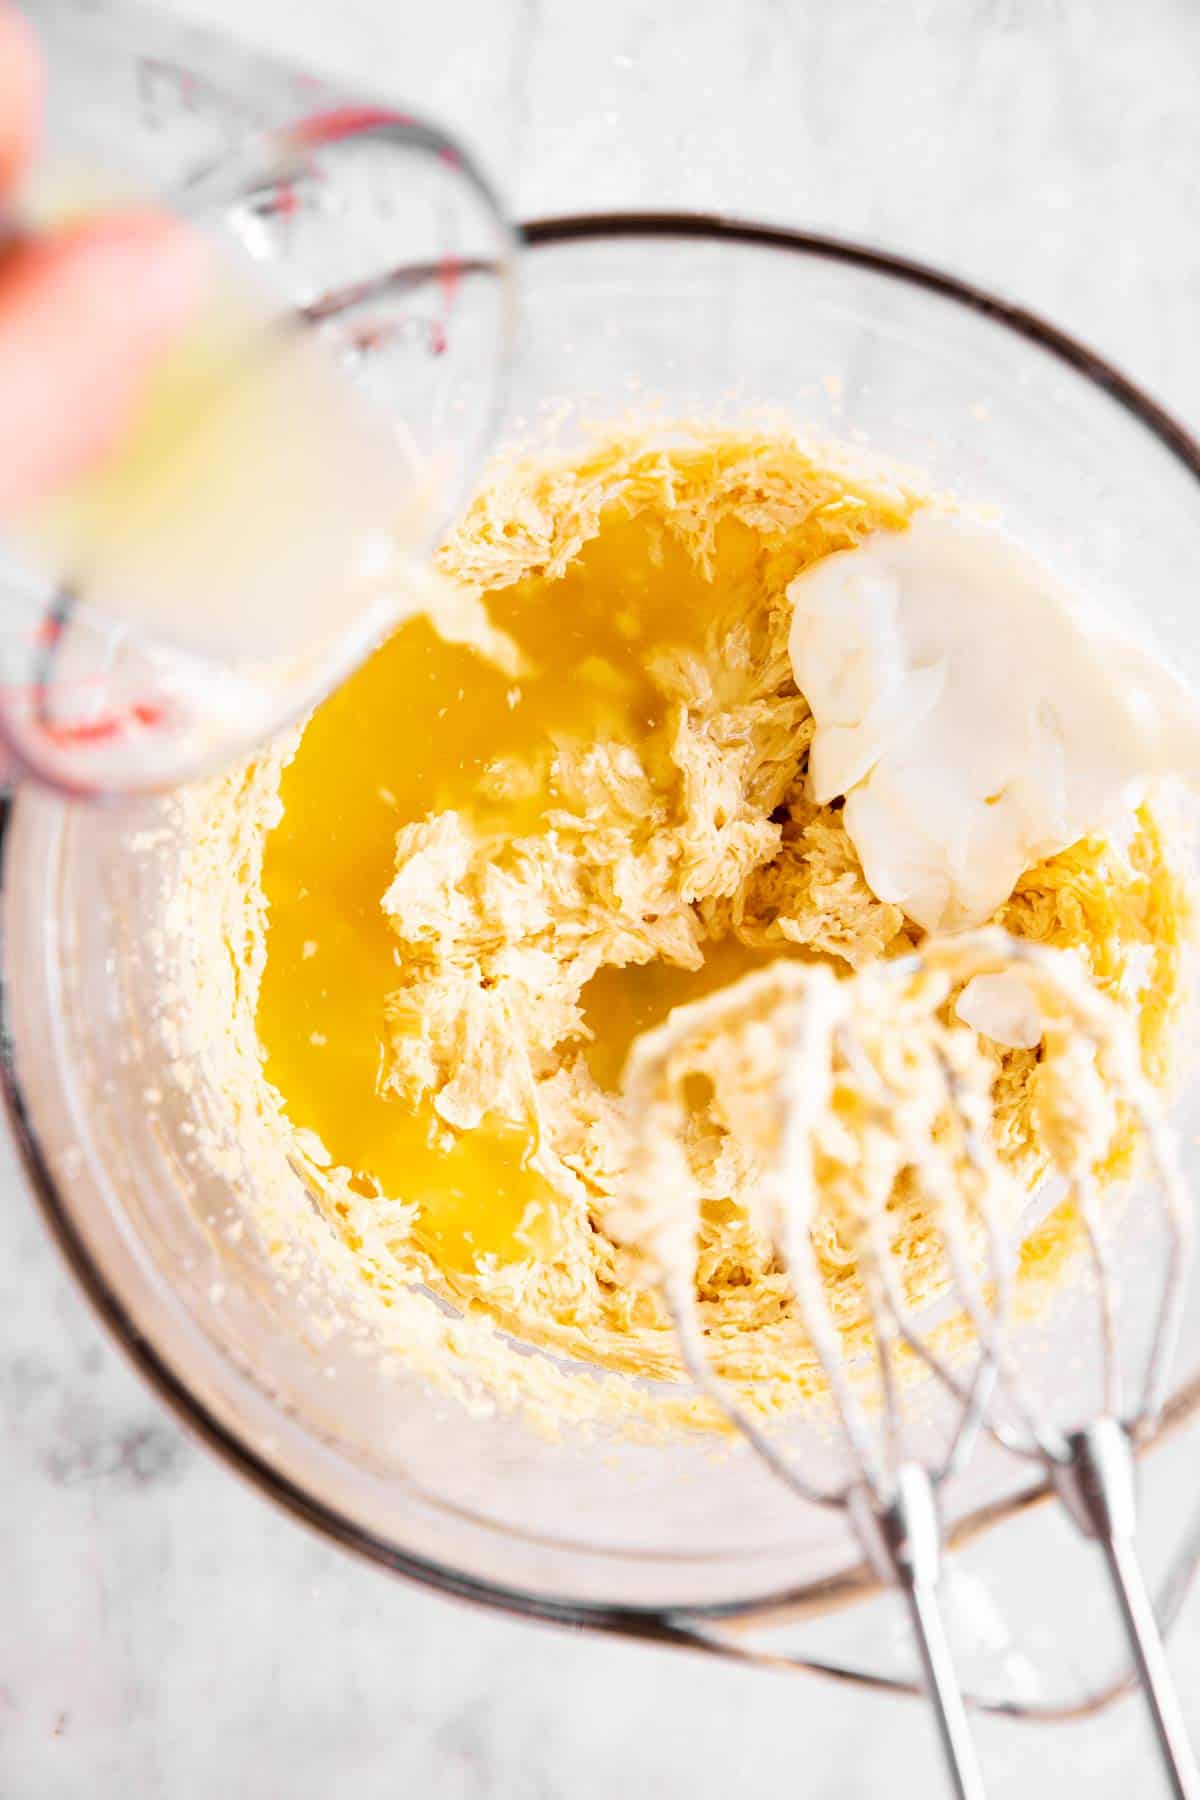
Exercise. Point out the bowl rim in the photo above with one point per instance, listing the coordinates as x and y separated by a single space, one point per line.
563 228
660 1623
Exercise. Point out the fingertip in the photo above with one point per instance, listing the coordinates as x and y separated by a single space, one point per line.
157 266
84 314
22 82
143 271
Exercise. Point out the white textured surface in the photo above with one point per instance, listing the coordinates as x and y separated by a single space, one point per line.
162 1632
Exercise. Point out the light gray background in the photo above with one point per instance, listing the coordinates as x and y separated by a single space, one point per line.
162 1632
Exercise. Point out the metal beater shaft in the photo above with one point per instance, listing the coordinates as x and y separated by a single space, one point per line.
903 1541
1097 1486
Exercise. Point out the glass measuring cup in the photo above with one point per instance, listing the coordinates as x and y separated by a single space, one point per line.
296 452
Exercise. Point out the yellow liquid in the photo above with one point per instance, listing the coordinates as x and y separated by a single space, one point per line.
413 732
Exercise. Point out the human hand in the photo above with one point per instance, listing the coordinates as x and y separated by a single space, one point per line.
85 310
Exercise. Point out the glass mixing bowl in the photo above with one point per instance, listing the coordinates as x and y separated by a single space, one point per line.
697 317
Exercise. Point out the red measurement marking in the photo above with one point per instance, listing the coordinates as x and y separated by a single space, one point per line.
47 634
450 156
109 725
328 127
449 277
285 202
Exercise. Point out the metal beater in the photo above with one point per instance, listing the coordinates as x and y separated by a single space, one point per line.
891 1497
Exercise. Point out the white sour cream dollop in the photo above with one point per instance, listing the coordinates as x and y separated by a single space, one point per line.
971 715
